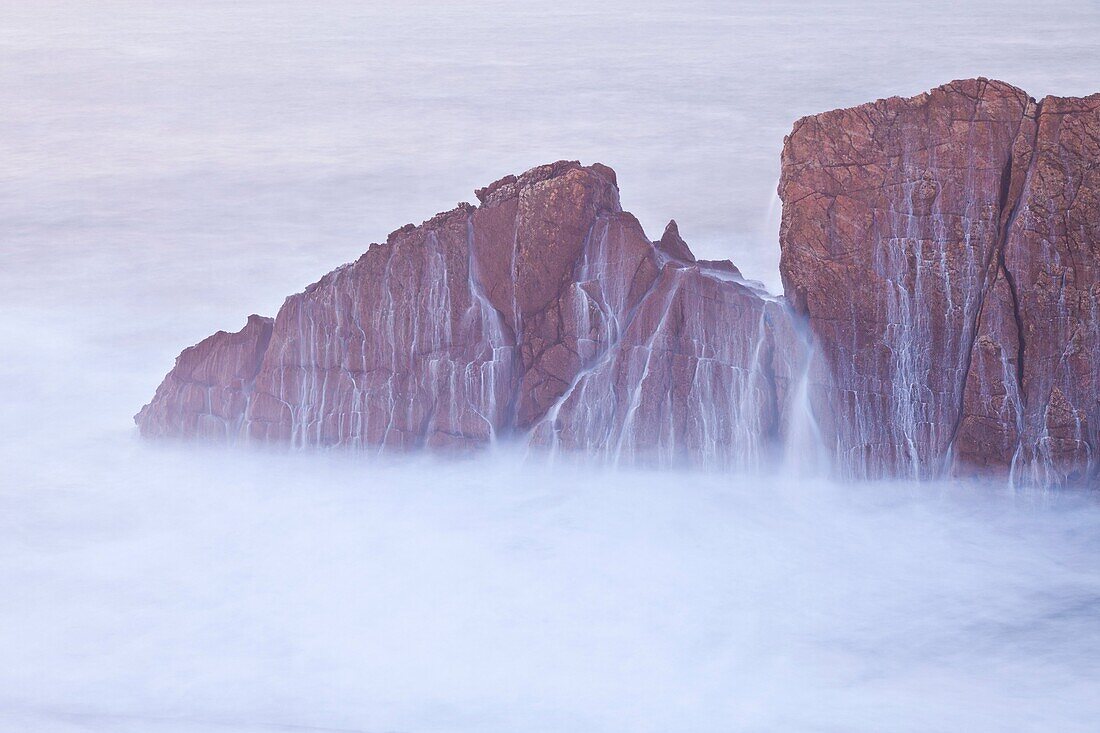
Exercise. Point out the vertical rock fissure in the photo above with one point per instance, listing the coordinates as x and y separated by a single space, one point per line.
1002 244
993 266
1008 207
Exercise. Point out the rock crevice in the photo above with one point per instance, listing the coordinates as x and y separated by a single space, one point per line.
960 194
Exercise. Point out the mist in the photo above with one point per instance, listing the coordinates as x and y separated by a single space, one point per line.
168 168
183 589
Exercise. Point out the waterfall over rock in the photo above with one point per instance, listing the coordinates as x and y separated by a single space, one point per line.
544 315
941 262
946 251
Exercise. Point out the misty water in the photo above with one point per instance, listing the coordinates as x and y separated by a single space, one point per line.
168 168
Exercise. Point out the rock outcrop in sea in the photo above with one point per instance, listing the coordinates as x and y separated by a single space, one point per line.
946 252
941 316
542 315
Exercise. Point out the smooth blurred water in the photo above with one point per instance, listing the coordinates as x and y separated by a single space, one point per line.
167 168
162 589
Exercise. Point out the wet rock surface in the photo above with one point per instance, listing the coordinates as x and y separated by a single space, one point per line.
941 267
545 315
945 249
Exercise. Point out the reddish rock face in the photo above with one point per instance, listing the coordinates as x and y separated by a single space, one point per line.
945 251
207 392
940 254
1036 385
700 374
544 314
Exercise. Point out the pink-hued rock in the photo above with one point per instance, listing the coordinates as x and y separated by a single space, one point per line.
208 390
488 322
398 349
941 266
945 251
1036 388
700 375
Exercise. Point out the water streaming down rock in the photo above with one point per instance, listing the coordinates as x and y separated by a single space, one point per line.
940 256
805 453
697 371
944 249
395 350
208 390
890 217
543 315
1049 281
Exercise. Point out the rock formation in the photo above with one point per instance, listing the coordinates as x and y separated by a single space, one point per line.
544 314
946 251
941 264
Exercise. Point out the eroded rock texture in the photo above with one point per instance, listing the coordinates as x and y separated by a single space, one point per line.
941 264
698 369
945 250
544 314
207 392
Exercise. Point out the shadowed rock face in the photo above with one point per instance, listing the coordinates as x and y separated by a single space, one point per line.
940 254
207 392
945 250
544 314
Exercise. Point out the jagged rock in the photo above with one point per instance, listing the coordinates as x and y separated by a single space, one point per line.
941 252
672 245
945 251
544 314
